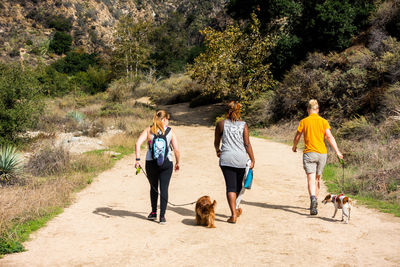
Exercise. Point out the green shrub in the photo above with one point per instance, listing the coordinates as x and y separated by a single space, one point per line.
59 22
123 87
55 83
340 82
115 109
20 101
259 113
356 129
10 164
390 60
94 81
61 43
391 100
75 62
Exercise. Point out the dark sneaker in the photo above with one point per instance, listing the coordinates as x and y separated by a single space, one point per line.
163 220
152 216
313 206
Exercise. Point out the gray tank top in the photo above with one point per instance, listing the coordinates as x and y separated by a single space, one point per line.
169 137
233 152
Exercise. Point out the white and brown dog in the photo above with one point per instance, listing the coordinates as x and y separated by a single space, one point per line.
340 202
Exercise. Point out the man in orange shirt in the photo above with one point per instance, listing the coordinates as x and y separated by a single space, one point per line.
315 129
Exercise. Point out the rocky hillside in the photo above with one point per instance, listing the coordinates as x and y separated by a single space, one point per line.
27 26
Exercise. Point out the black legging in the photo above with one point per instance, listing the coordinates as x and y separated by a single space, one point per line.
233 178
162 174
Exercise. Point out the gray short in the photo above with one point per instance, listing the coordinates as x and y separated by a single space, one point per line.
314 162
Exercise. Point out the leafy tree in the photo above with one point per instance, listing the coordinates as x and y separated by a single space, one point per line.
61 43
171 48
95 80
131 45
20 104
233 64
312 25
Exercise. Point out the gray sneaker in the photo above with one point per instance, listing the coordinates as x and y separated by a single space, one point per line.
163 220
313 207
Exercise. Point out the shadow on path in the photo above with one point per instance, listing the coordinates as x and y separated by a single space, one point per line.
181 114
192 222
108 212
190 213
287 208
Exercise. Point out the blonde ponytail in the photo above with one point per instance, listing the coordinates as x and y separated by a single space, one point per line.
157 121
313 104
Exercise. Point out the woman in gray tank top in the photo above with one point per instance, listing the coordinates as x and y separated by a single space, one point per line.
235 147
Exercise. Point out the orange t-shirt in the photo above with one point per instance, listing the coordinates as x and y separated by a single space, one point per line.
313 127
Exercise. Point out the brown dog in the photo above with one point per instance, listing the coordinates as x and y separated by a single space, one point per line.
205 213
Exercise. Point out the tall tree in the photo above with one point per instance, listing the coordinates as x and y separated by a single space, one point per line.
234 63
131 44
312 25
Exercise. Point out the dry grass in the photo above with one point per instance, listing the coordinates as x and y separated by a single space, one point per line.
20 204
48 160
283 132
39 195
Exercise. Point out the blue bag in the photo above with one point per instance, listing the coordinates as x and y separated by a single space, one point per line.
159 149
249 179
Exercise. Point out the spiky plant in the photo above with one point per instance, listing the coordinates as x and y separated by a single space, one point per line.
10 163
76 115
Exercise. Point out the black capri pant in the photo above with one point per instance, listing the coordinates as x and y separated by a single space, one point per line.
233 178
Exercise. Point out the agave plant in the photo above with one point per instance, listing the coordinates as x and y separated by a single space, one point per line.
76 115
10 163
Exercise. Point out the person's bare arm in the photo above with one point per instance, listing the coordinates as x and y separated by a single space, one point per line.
219 129
247 145
333 143
296 141
174 143
142 137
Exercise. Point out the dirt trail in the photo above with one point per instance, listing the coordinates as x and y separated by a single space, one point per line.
107 226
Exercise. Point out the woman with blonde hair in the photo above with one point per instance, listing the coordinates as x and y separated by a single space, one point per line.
315 129
158 160
233 154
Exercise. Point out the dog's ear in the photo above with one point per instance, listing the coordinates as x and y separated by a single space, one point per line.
328 197
214 203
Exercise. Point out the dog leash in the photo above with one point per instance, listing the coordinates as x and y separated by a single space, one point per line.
342 163
175 205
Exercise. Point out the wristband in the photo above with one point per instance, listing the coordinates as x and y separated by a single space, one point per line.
137 159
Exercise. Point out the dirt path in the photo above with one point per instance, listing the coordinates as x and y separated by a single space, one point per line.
107 225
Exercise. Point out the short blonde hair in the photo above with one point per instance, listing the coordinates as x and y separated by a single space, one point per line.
313 104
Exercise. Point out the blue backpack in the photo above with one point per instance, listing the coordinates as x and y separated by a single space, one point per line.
159 148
